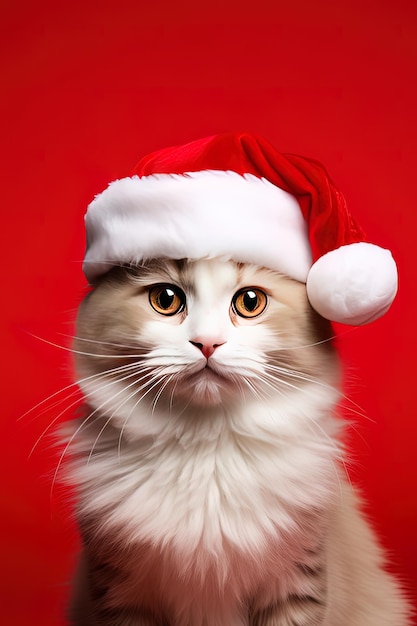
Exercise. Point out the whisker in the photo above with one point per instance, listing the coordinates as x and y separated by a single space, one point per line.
45 400
158 395
98 341
295 374
238 382
276 383
50 426
337 335
171 397
252 388
92 354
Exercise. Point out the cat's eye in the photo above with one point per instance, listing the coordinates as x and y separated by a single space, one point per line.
167 299
249 302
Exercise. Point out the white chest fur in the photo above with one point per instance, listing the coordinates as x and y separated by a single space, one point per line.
224 503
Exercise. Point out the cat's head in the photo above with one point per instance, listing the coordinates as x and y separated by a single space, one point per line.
170 335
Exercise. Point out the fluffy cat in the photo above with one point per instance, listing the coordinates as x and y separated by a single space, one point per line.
209 462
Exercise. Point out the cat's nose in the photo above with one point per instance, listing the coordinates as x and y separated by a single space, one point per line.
207 347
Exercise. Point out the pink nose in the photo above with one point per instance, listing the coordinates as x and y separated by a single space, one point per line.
207 348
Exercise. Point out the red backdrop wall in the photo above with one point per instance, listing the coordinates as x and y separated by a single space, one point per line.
89 88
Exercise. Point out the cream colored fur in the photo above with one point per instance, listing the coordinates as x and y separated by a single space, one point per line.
212 493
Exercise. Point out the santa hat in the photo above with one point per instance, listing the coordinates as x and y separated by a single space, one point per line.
235 196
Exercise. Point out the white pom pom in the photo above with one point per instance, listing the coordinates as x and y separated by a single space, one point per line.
354 284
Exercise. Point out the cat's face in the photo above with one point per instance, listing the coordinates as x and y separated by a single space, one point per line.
178 334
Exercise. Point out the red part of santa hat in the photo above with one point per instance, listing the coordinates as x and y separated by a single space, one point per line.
235 196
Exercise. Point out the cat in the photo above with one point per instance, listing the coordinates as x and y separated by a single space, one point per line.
209 463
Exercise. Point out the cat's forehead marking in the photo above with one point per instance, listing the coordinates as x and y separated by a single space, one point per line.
216 272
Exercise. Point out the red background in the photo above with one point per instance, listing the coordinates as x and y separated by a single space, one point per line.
87 89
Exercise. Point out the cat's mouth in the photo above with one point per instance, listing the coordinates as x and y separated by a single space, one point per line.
205 386
209 374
